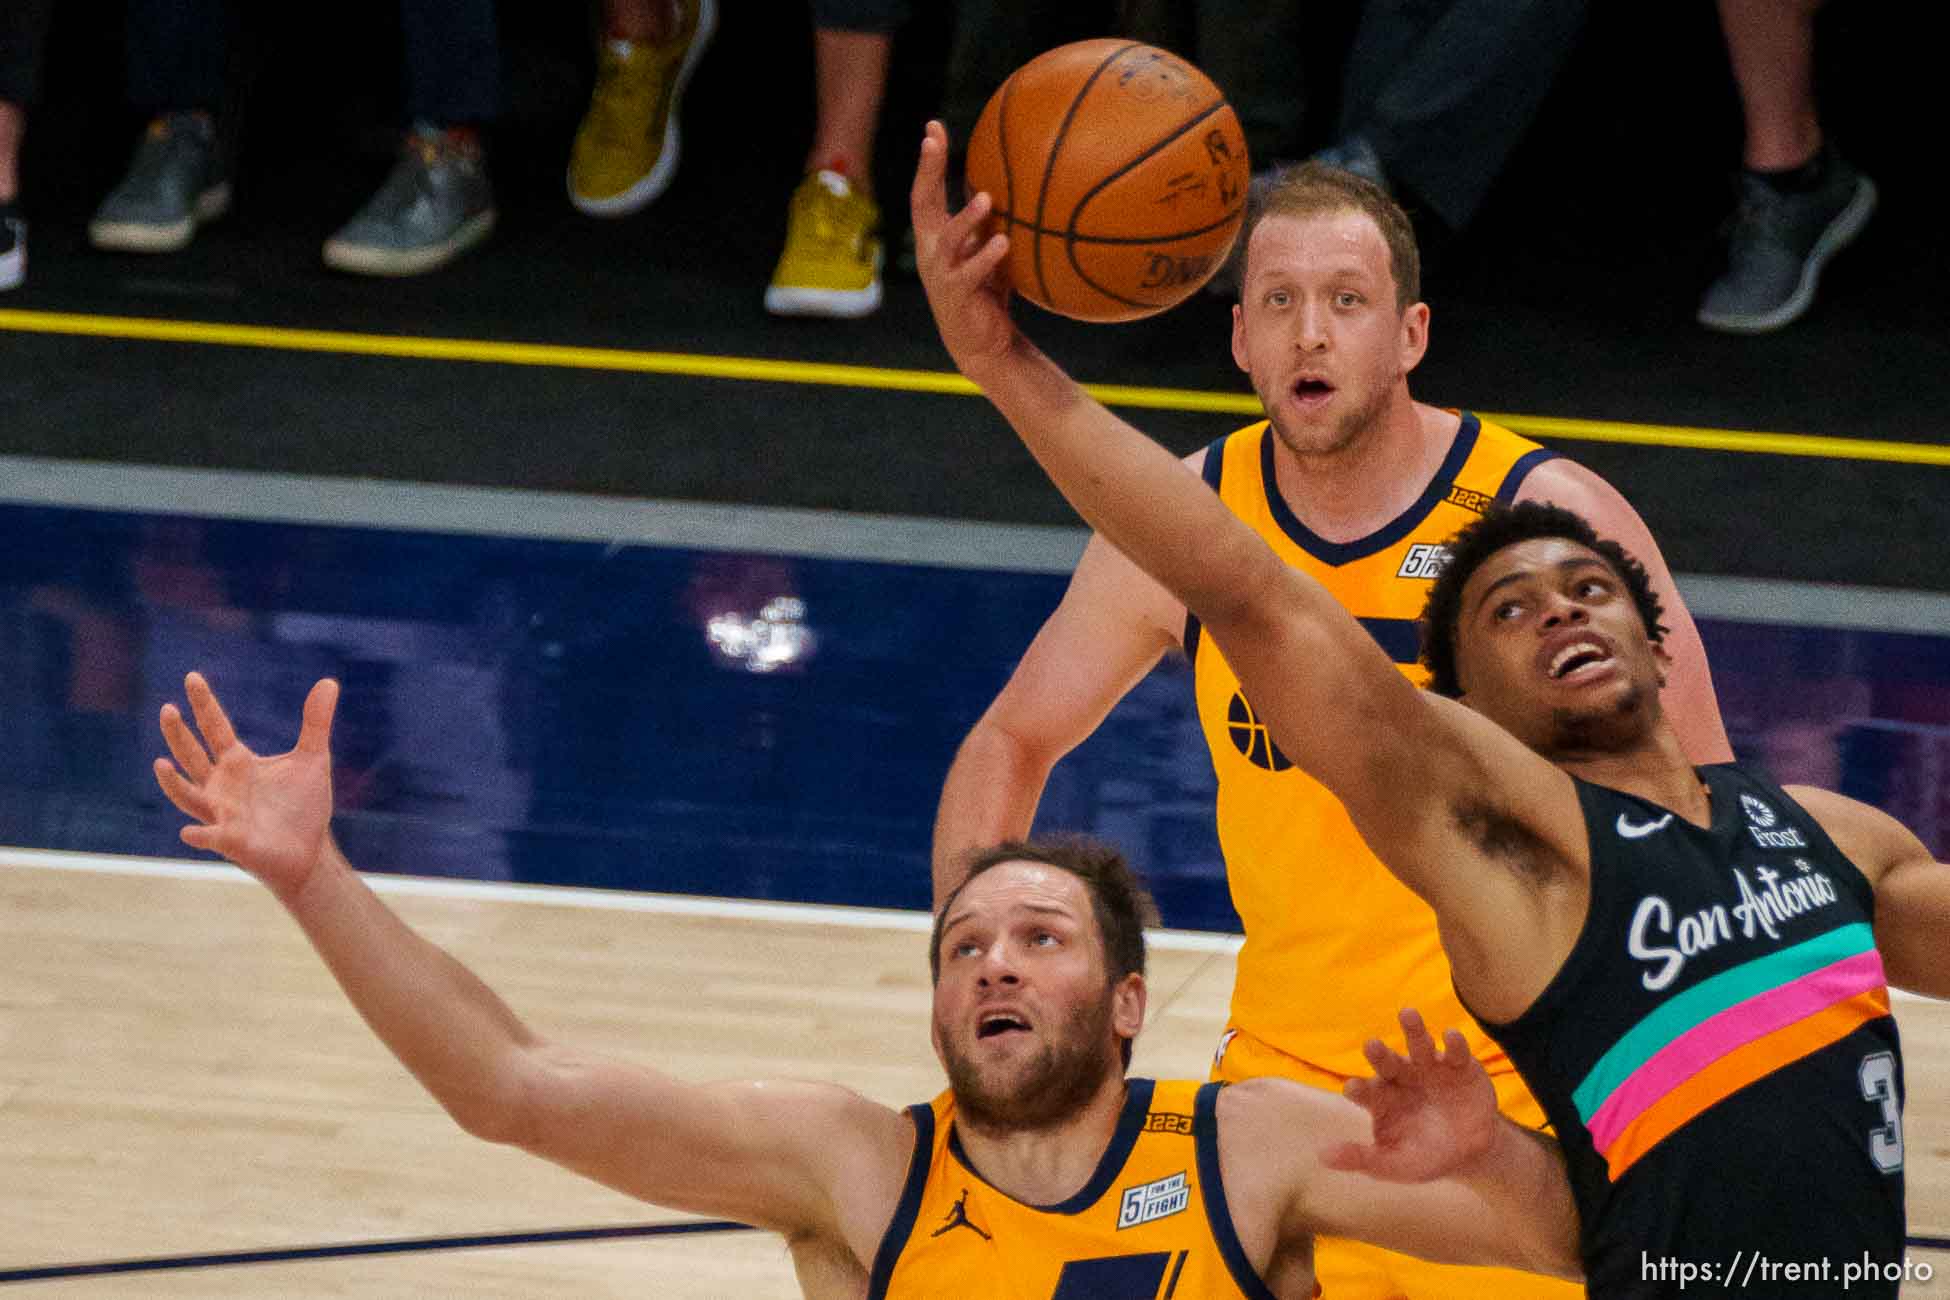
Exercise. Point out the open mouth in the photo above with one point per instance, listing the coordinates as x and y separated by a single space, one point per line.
1579 659
1000 1023
1312 390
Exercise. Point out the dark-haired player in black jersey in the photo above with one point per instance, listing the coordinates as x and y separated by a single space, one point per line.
1688 965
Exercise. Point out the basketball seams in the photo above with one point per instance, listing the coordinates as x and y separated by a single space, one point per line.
1002 150
1071 238
1056 148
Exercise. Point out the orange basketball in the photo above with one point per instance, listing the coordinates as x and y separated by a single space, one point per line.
1119 173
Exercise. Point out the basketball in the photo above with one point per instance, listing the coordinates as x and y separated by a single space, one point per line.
1119 173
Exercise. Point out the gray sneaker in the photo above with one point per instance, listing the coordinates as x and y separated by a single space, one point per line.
434 206
174 185
13 248
1778 246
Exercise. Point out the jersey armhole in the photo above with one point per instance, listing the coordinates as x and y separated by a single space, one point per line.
908 1208
1211 1182
1212 471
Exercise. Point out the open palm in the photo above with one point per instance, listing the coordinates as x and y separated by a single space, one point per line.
1433 1112
266 814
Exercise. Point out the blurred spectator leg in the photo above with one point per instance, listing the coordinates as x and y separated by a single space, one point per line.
436 203
1438 92
627 148
1801 202
177 51
832 259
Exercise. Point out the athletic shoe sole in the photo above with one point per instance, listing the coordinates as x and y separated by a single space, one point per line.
651 187
156 237
842 304
362 259
1841 231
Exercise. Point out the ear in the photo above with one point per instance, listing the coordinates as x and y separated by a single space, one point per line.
1414 341
1240 357
1127 1005
1664 656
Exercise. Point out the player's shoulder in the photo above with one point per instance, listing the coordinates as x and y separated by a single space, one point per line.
1867 836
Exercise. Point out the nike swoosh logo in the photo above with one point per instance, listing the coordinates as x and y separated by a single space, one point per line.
1631 830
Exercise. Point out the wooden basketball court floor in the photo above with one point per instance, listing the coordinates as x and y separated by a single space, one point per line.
188 1108
179 1077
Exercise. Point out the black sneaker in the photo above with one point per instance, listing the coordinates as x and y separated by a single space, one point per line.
13 247
1778 246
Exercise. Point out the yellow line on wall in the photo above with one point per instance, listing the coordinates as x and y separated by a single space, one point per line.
914 381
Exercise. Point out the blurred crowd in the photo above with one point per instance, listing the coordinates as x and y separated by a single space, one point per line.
1435 96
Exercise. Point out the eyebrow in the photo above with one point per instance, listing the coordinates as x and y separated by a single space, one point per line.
1050 909
1518 575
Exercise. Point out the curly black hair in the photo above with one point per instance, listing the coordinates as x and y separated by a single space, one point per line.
1506 526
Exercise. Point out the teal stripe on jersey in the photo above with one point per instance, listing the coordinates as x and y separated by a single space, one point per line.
1708 999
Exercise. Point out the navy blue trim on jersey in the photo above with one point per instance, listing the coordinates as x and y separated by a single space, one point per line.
1212 471
1401 638
1520 471
1137 1105
1205 1138
1388 534
908 1208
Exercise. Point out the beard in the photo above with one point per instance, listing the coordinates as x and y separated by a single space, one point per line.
1608 729
1341 435
1049 1087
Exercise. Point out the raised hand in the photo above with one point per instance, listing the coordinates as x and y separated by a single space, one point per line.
1433 1112
267 815
960 269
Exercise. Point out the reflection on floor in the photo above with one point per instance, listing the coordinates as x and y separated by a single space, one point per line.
694 719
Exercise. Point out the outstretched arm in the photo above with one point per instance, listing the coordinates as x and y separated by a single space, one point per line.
776 1155
1424 1164
1338 706
1113 624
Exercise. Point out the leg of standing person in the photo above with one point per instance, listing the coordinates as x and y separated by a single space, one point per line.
23 35
626 150
1438 92
177 53
436 203
1800 201
833 255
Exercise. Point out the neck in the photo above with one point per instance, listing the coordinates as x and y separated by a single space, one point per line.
1046 1165
1656 769
1348 492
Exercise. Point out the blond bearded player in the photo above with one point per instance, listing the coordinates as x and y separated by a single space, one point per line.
1352 481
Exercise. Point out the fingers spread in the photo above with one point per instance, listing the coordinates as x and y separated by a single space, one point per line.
189 799
315 736
928 199
211 720
183 745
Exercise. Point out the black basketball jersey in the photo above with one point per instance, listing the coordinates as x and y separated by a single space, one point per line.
1717 1054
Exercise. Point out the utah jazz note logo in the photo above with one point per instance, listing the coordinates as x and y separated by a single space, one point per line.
1249 736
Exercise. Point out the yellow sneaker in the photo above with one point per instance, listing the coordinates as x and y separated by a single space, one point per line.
626 149
831 263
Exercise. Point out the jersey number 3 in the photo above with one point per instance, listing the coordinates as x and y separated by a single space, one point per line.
1878 1076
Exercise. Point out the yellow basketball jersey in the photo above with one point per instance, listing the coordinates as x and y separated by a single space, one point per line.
1151 1224
1334 944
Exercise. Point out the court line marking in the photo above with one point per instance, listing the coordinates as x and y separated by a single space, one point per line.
767 370
340 1250
812 534
826 914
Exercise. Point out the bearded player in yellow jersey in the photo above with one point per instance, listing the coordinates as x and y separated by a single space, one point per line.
1041 1173
1352 480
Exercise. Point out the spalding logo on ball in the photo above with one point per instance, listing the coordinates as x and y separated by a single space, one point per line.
1119 173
